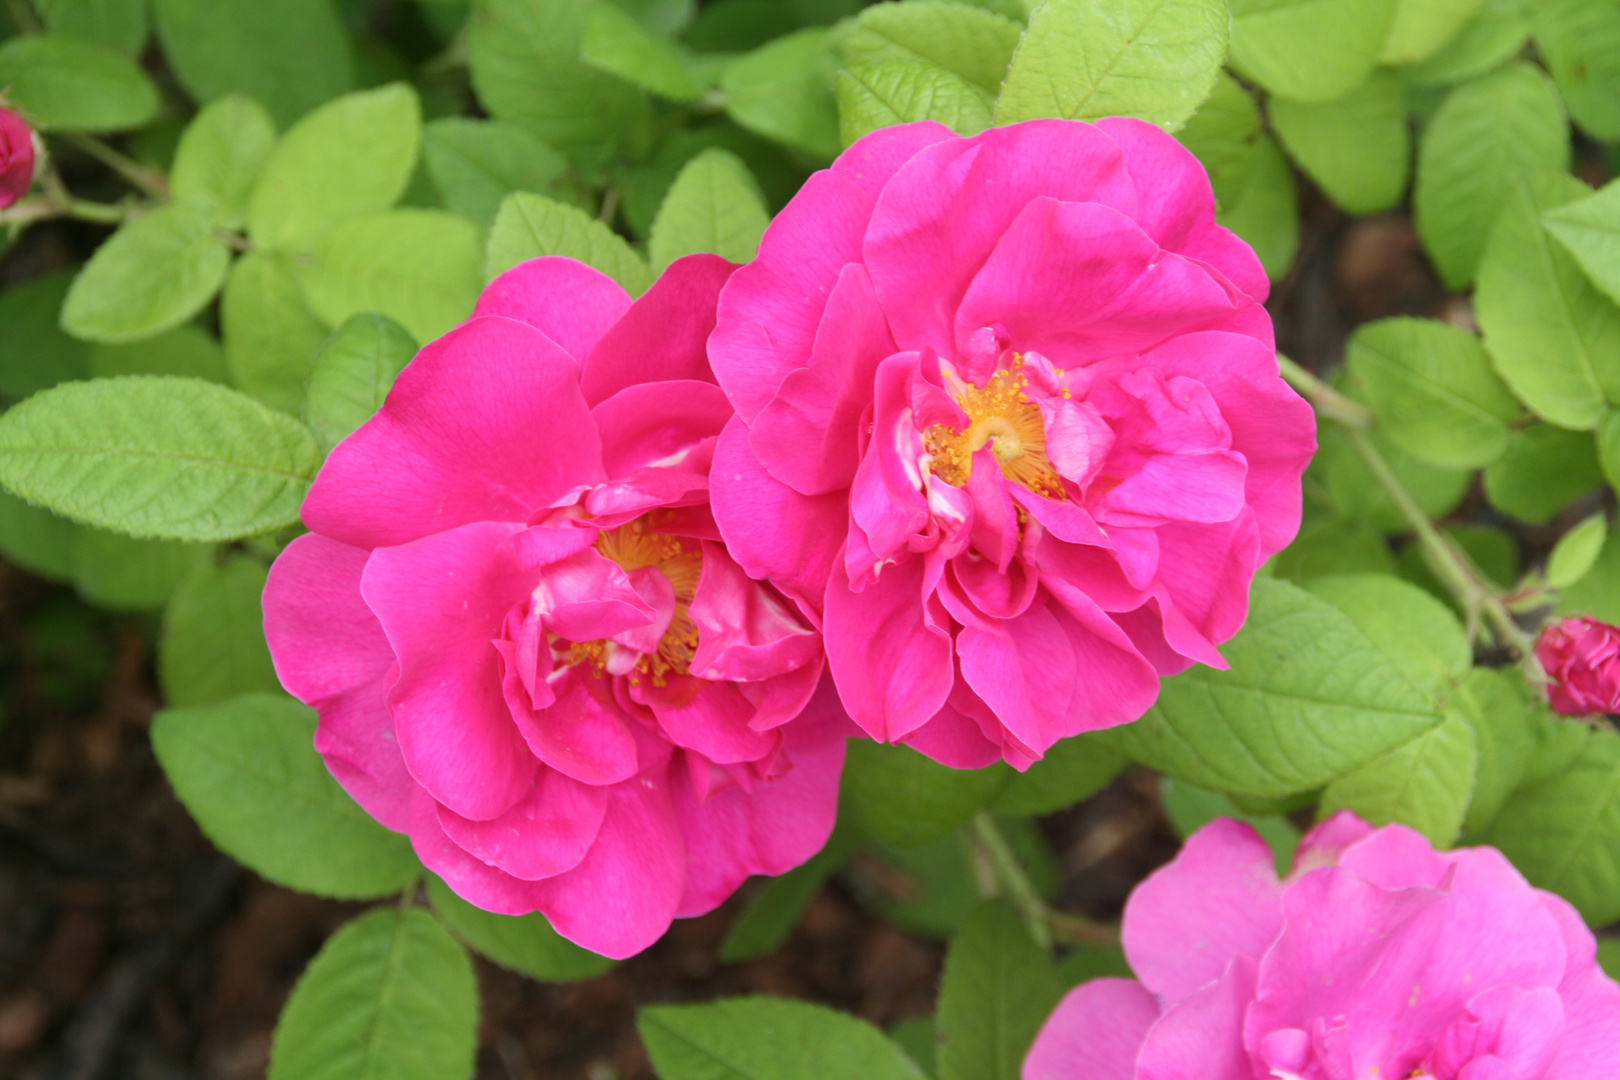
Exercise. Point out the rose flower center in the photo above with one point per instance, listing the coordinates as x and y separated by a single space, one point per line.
637 547
1000 415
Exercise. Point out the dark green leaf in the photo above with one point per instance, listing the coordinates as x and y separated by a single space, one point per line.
1190 808
1495 35
972 44
1072 770
212 647
1357 496
616 43
877 95
1589 228
1577 551
1425 784
774 910
36 540
1421 28
38 355
1334 547
997 989
124 574
1580 42
908 800
524 943
117 24
1494 703
761 1038
1598 593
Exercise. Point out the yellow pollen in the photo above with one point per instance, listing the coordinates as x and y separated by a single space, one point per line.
634 547
1001 415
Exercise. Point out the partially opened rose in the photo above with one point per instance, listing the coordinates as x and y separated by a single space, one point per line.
1009 422
1378 959
528 648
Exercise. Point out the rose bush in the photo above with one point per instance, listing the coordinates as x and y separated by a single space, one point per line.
525 644
1009 425
16 157
1581 657
1377 957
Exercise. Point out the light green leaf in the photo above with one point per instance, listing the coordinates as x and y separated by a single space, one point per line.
761 1038
187 350
1415 631
220 156
714 206
271 336
1072 770
117 24
1422 27
1357 496
908 800
1551 334
477 163
291 55
212 646
38 355
529 226
1608 446
997 990
350 156
973 44
63 82
1495 35
616 43
353 373
1357 148
1608 956
157 456
1598 593
1494 703
1486 135
1424 785
773 911
1580 42
1577 551
523 943
1309 50
783 91
239 764
1191 808
36 540
390 996
1589 228
872 96
123 574
1085 59
1544 469
1308 698
421 268
1334 547
1433 390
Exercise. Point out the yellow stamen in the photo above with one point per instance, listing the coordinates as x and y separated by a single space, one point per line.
1000 414
634 547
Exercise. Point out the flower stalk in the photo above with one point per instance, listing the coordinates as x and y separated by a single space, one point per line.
1012 881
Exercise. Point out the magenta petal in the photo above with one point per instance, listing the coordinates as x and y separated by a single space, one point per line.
953 738
886 501
1207 570
469 878
545 834
569 302
1094 1033
441 601
1218 899
587 597
658 423
1201 1036
661 337
1024 669
873 159
709 717
585 734
1591 1002
744 631
486 424
1327 840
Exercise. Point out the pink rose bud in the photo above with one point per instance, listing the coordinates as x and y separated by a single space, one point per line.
16 157
1378 957
1582 658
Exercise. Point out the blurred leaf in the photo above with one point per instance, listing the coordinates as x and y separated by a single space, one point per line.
1086 59
1598 593
123 574
1421 28
1577 551
1494 551
1357 496
906 799
352 375
973 44
117 24
872 96
762 1038
1589 228
997 988
774 910
714 206
1094 962
290 56
661 16
1309 50
1190 808
212 647
477 163
1494 36
158 456
37 354
532 225
783 91
1543 470
220 156
271 335
186 350
1357 148
389 995
1608 956
616 43
1071 771
524 943
1494 703
917 1038
1424 785
350 156
73 85
1580 42
1487 134
36 540
1334 547
1608 446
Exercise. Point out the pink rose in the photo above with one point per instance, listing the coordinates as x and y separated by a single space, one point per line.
1009 422
1582 657
16 157
1378 959
527 646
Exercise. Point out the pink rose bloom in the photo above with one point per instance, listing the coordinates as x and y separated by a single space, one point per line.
526 644
1378 959
1009 423
1582 658
16 157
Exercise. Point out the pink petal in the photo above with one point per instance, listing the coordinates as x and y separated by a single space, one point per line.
1207 570
585 734
711 718
658 423
953 738
1024 668
1094 1033
1591 1002
545 834
661 337
873 159
1327 840
1201 1036
744 631
486 424
1115 684
569 302
886 501
474 881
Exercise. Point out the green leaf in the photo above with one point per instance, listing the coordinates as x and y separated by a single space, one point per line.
187 350
291 55
774 910
915 1035
714 206
1580 42
1357 148
1608 445
1190 808
1434 392
1334 547
524 943
1494 36
1577 551
1553 337
38 354
477 163
997 990
1543 470
421 268
271 336
1487 134
929 890
616 43
36 540
761 1038
1357 496
158 456
352 375
1494 703
220 156
1309 50
1597 593
1086 59
1421 28
529 226
526 68
117 24
1308 698
783 91
1089 962
970 43
123 574
1590 229
1608 956
390 996
1563 833
906 799
872 96
1415 631
1071 771
212 647
240 764
350 156
73 85
1424 785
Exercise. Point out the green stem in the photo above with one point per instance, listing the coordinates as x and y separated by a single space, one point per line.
150 181
46 207
1010 876
1328 401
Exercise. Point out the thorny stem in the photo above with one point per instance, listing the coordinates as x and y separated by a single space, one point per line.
1013 882
150 181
